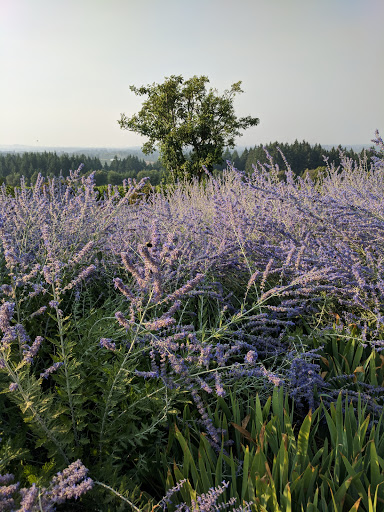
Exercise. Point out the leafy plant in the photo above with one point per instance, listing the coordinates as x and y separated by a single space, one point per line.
181 114
215 285
276 464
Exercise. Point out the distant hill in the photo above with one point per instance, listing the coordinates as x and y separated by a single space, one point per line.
132 150
357 148
105 154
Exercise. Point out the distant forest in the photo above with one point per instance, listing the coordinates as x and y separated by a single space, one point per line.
301 156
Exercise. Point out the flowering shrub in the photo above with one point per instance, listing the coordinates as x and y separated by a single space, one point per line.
116 312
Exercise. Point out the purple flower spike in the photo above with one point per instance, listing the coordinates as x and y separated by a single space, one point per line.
108 344
50 370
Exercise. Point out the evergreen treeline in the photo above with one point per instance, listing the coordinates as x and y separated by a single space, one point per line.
14 165
301 156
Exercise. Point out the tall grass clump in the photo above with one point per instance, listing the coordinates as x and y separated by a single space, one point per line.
218 344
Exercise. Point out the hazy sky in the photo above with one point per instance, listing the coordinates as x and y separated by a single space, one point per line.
310 69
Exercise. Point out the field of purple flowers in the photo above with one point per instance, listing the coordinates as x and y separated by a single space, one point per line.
218 344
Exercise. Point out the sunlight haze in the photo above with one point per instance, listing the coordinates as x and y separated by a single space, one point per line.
310 69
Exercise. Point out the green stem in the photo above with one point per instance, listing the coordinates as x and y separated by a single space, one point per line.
110 396
35 414
119 495
65 361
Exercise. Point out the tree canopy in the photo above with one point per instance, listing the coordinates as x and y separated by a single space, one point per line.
190 125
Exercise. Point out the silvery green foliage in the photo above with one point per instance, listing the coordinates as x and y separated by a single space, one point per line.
112 314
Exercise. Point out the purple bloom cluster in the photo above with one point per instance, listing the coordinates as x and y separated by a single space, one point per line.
13 386
6 314
122 288
29 498
51 369
30 352
77 258
165 320
7 289
6 491
70 483
122 320
9 332
205 502
304 379
292 249
214 436
166 500
39 311
108 344
84 274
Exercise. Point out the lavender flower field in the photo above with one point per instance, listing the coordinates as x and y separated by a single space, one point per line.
216 346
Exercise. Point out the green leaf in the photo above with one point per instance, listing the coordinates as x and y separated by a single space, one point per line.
259 420
339 421
287 498
224 407
245 473
267 407
282 463
335 505
219 466
188 459
233 466
302 441
355 506
376 476
205 481
185 489
342 490
331 426
278 404
244 433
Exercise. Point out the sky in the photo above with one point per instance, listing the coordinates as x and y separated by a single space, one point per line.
310 69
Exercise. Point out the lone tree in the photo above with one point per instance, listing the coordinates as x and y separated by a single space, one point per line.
190 125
